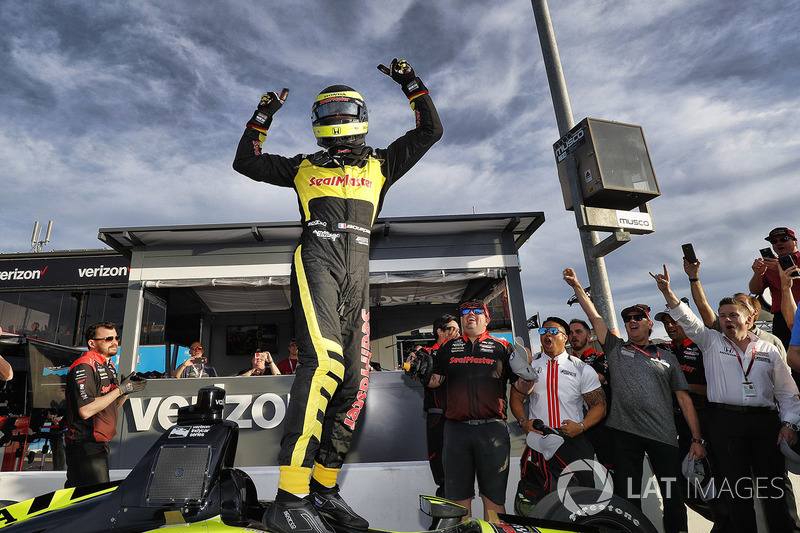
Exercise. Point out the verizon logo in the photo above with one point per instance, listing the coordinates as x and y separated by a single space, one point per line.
103 272
17 274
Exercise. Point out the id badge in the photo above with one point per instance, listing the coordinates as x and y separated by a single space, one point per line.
749 389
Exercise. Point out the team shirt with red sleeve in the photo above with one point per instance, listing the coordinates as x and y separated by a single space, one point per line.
90 376
476 375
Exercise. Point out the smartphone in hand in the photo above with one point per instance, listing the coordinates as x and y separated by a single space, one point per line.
786 261
767 253
688 253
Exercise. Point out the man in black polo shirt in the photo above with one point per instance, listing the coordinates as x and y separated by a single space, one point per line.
445 328
476 369
93 397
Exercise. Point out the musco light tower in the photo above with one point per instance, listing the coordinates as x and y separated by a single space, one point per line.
605 172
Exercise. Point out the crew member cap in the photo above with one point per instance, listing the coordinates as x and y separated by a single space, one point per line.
637 308
474 305
780 232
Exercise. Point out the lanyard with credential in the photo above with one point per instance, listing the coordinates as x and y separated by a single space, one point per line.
752 358
658 352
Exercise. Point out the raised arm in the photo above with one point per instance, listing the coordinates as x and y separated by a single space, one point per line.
756 284
662 281
788 305
597 321
698 295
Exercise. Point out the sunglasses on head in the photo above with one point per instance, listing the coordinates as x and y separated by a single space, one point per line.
551 331
476 310
779 239
109 338
628 318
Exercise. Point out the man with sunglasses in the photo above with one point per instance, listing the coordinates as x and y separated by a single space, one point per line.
196 366
580 333
93 397
445 328
643 381
475 368
766 276
565 383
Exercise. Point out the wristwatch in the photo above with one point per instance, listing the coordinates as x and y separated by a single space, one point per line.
519 422
793 427
701 442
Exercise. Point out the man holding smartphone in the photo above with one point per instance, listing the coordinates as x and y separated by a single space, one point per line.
196 366
766 275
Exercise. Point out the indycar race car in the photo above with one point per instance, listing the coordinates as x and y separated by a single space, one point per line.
187 482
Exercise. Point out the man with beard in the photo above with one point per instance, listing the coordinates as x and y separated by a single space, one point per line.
579 336
645 377
93 397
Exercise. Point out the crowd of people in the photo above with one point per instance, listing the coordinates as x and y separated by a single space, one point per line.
724 395
712 408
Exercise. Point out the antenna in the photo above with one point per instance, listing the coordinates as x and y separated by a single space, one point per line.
36 244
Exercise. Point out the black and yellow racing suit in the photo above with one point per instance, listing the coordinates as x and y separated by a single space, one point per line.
340 192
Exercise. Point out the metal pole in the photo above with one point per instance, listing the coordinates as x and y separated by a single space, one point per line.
595 266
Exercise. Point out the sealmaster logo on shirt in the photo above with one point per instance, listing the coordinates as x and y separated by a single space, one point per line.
339 181
471 359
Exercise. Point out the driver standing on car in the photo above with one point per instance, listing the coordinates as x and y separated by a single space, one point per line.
340 191
93 397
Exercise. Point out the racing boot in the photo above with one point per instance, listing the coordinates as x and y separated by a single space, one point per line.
331 505
297 516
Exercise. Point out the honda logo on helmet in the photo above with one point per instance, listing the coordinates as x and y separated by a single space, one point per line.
336 130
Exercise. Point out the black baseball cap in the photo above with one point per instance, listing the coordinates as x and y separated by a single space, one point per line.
637 308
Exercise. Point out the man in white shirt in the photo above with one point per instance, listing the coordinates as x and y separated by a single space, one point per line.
565 383
745 377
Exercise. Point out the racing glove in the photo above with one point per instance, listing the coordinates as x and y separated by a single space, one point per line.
270 103
420 368
403 73
133 383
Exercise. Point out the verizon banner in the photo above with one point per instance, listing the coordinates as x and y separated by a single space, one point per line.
54 272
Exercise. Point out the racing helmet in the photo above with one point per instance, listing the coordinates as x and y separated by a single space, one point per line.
339 117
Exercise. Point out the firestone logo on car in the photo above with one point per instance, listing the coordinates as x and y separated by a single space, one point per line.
339 181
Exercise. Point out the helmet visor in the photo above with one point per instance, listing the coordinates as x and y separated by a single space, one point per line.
335 109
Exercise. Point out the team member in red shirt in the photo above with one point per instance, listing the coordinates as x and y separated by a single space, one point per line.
476 369
766 276
289 365
93 397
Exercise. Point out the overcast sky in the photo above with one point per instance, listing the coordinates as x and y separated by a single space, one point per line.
128 113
